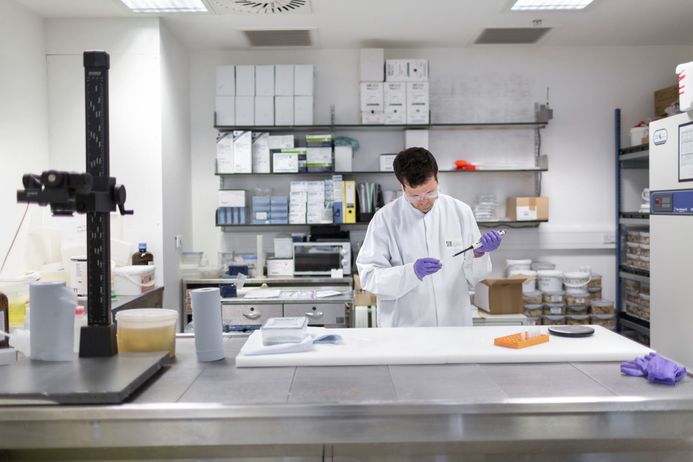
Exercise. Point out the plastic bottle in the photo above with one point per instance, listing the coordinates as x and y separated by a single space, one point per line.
142 257
80 320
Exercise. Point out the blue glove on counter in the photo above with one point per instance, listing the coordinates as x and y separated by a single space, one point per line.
425 266
489 242
656 368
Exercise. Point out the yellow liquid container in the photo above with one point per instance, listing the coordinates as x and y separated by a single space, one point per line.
147 329
17 292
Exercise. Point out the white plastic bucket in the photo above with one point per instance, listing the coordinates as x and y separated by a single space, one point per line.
543 265
550 280
517 265
530 284
134 280
576 279
685 74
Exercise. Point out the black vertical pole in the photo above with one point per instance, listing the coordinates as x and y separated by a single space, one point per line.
98 338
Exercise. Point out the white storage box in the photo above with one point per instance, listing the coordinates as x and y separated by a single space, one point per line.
637 134
245 110
226 80
416 138
134 280
245 80
386 161
284 80
685 74
372 64
264 80
264 110
395 115
372 117
372 96
303 80
395 93
283 110
226 110
303 110
284 330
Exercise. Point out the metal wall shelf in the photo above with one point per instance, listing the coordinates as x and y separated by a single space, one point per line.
484 224
627 273
349 127
635 271
378 172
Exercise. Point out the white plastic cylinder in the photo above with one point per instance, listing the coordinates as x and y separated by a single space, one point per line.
209 338
52 321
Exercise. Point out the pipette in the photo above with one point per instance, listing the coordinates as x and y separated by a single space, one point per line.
476 245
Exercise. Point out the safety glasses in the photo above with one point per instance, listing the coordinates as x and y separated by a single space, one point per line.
415 199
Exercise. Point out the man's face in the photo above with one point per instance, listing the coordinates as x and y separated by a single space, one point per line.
423 196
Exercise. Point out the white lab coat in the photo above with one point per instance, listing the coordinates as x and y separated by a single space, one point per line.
397 236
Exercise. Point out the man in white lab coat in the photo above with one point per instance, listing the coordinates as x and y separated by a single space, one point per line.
407 259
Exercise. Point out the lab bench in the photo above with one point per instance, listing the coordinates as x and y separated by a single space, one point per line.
539 412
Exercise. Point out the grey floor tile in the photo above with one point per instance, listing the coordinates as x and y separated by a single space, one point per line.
537 380
609 375
450 382
346 384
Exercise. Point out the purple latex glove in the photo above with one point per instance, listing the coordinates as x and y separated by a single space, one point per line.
489 242
661 370
425 266
656 368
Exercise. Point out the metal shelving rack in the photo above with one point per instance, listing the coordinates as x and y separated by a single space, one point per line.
542 116
633 157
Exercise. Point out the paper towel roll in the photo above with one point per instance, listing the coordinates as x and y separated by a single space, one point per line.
206 308
51 321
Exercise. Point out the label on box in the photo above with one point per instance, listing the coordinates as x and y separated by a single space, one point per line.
285 162
524 212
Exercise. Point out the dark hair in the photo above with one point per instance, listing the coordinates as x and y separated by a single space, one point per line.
414 166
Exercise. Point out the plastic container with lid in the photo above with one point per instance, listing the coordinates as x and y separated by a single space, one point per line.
632 260
530 284
602 306
632 236
543 266
577 297
604 320
636 310
631 296
533 296
631 284
147 329
633 248
644 300
644 237
644 262
595 293
549 280
554 296
554 308
576 279
576 309
534 321
533 310
595 282
577 319
644 250
515 265
643 289
553 319
284 330
17 292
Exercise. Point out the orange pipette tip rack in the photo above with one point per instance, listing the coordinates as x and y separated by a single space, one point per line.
520 340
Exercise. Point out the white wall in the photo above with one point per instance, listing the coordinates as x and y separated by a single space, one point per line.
480 84
23 120
177 205
135 115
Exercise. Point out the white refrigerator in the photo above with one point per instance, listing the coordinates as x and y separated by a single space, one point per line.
671 237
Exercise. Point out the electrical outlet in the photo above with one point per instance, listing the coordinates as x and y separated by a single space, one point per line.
179 241
608 238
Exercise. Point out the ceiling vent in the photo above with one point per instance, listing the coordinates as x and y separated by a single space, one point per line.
280 37
267 7
511 35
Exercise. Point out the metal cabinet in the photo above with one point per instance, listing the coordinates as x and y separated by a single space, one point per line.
319 314
250 314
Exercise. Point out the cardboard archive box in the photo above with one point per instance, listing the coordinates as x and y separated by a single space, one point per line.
362 297
499 296
527 208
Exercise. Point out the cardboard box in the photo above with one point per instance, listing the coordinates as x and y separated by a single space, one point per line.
245 110
372 64
264 80
226 80
303 110
264 110
363 297
284 80
372 117
284 110
303 80
664 98
225 108
499 296
372 96
395 114
245 80
527 208
395 93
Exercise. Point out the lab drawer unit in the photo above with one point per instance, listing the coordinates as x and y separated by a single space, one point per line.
250 314
318 314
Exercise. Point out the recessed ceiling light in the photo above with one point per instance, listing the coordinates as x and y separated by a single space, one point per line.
166 6
523 5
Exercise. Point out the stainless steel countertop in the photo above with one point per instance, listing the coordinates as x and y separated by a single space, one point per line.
512 408
347 296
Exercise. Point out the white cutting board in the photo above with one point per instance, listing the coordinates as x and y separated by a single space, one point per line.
445 345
